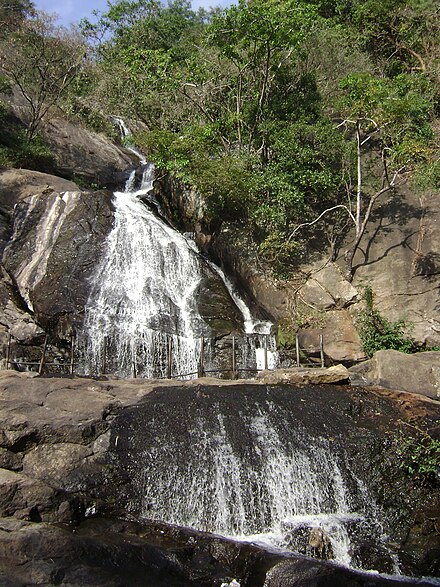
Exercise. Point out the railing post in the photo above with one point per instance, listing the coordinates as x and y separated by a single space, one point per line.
201 369
43 356
104 354
170 357
234 365
8 351
321 349
265 352
134 373
297 350
72 351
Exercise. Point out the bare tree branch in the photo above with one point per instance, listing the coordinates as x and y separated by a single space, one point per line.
338 206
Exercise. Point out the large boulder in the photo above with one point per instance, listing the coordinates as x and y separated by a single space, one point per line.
86 156
16 184
80 154
341 341
418 373
327 288
18 188
399 258
57 236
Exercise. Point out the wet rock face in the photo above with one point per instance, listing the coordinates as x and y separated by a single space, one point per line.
216 306
106 553
58 443
56 240
179 441
16 184
178 201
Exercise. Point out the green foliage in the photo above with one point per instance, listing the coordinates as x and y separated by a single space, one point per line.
244 104
302 317
5 85
419 454
13 13
227 182
428 175
396 112
378 333
400 35
286 336
17 151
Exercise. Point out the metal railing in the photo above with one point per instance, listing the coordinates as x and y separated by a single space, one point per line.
68 365
309 350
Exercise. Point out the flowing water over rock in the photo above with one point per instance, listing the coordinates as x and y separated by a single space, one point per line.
143 316
143 299
256 466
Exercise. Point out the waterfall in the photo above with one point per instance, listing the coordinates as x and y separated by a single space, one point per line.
274 495
126 136
246 467
259 345
142 317
143 296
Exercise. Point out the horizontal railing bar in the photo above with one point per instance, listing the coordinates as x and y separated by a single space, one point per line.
27 363
235 370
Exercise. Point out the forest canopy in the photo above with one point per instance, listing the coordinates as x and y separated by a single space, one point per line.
282 113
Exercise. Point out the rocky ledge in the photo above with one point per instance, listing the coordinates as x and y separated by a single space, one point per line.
302 375
115 553
64 494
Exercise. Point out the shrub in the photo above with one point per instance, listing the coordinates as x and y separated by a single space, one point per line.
378 333
419 454
16 150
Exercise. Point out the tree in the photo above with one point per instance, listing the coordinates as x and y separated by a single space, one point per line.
388 120
247 105
12 14
41 60
142 48
259 39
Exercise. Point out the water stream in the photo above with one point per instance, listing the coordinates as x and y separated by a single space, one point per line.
251 470
142 300
142 313
252 464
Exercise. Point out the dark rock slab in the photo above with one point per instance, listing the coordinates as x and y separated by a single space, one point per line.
71 448
120 553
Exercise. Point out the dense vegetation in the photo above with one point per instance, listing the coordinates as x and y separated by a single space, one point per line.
290 116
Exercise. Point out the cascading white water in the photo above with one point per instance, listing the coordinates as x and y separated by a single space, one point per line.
260 344
141 317
144 288
276 489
